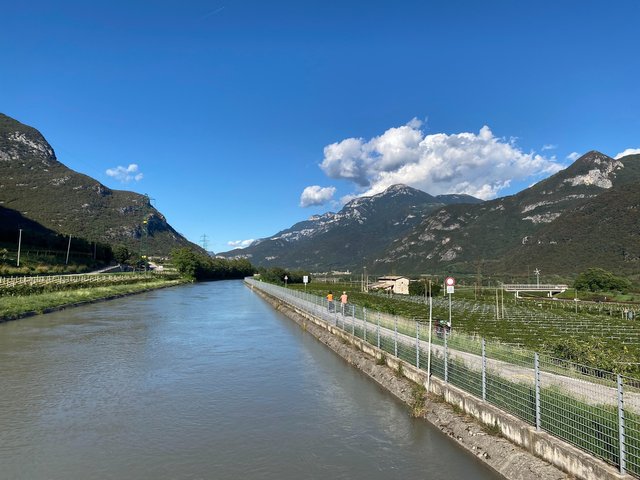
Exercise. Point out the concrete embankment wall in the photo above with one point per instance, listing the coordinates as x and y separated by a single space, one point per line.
497 448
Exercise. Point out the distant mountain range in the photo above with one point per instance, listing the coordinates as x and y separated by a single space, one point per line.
36 189
586 215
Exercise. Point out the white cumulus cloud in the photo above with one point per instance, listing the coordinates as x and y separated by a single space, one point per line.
628 151
240 243
573 156
477 164
549 146
125 174
316 195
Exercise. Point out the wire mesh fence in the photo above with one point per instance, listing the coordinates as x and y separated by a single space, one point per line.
591 409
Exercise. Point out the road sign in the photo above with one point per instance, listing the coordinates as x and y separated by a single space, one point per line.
305 279
450 288
450 281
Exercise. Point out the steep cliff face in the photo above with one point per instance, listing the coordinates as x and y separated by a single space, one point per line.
34 183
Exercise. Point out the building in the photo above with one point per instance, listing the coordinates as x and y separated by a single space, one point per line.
392 284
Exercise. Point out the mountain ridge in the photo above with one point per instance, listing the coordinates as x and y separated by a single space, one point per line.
36 184
458 237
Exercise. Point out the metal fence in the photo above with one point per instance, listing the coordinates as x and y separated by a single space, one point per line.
9 282
594 410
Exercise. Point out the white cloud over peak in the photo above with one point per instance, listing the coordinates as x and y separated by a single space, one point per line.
573 156
477 164
316 195
125 174
628 151
240 243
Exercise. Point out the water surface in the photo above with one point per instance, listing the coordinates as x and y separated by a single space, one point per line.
203 381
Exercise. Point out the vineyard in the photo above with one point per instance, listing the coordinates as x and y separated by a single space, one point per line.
537 324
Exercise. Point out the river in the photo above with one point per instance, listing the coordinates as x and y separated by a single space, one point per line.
203 381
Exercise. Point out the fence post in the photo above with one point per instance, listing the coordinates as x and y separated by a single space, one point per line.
536 364
484 370
621 433
417 344
395 336
446 359
378 329
364 317
353 320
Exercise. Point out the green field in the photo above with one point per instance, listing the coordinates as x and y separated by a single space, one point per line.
18 302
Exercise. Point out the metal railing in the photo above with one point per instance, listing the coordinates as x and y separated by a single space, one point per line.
594 410
9 282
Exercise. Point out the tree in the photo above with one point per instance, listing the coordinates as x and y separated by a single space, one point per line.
197 266
121 254
417 288
273 275
598 280
186 262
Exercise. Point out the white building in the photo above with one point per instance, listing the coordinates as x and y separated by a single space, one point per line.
393 284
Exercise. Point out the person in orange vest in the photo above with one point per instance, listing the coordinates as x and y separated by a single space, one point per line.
343 301
330 301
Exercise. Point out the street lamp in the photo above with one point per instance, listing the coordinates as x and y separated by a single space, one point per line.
537 272
285 281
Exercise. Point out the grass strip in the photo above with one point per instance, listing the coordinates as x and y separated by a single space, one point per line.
12 307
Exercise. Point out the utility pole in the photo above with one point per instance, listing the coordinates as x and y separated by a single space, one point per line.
430 330
425 289
366 280
19 244
66 262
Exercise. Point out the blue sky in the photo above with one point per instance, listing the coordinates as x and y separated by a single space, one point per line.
230 109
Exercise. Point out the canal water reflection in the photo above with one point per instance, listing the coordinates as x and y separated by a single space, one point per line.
203 381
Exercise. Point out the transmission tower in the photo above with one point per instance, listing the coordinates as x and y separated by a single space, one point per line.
203 241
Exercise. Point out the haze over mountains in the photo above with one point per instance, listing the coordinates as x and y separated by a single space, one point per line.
586 215
36 189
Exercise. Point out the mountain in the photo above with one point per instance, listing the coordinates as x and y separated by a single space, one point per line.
351 238
602 231
496 235
10 223
585 215
35 184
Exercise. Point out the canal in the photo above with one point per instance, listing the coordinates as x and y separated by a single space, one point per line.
203 381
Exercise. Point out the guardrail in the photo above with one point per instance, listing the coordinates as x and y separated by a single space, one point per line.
594 410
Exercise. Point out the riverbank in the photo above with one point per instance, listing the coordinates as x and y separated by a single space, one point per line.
16 307
489 446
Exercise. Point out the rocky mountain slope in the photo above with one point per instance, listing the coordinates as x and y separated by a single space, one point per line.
601 231
35 184
354 236
497 234
586 215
